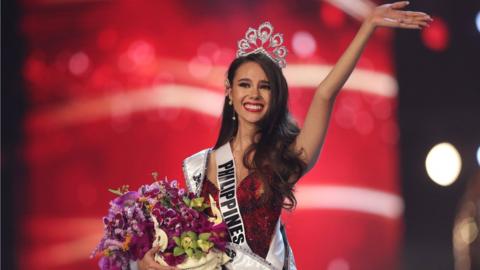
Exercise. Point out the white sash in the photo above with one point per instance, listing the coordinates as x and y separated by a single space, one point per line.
227 197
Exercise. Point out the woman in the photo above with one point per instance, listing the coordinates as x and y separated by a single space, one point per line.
260 153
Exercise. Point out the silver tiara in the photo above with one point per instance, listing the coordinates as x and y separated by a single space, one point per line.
262 40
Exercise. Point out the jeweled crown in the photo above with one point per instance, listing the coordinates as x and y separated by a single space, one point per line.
262 40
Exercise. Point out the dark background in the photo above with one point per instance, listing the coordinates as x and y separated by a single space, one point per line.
439 101
12 113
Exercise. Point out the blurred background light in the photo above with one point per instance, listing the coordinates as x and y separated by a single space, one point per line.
338 264
477 21
141 52
200 67
468 230
443 164
79 63
478 155
357 9
436 37
303 44
331 15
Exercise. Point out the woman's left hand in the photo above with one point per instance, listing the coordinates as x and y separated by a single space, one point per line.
390 15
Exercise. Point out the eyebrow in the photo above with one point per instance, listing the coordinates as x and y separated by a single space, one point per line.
248 80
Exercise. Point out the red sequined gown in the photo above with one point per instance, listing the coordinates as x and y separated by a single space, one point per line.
259 219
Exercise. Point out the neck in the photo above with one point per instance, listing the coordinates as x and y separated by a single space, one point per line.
244 137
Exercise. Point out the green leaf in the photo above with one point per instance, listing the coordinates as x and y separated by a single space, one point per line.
189 252
204 245
177 251
201 208
204 236
198 254
197 202
192 235
194 244
177 240
187 201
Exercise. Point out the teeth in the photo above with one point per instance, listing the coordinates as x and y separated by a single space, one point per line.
253 107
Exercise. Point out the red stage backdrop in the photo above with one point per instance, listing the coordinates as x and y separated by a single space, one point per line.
119 89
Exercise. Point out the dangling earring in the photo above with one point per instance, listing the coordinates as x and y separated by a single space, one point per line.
233 116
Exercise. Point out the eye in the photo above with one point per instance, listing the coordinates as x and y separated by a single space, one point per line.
244 84
265 86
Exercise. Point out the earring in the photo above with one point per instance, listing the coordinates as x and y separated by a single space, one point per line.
230 102
233 117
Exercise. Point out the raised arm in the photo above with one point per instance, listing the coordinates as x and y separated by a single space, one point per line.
312 135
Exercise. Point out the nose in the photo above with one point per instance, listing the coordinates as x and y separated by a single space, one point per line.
255 92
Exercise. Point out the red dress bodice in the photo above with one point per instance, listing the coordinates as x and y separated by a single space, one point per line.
259 216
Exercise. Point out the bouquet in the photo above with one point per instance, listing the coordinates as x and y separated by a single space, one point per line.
161 214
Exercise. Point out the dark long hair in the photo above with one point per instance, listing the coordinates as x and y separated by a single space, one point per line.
274 160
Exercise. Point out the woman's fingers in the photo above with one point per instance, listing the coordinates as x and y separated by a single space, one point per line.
160 267
151 252
408 20
152 264
148 261
410 26
416 14
398 5
410 16
396 23
391 15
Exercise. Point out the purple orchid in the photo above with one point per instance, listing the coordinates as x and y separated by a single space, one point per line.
129 228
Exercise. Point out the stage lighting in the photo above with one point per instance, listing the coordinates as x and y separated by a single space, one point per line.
338 264
443 164
478 156
331 15
477 21
141 52
200 67
78 63
437 36
303 44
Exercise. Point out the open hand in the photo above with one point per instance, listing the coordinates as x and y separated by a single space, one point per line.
390 15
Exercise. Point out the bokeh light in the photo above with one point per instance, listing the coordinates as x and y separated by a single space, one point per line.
141 52
331 15
477 21
303 44
443 164
200 67
78 63
436 37
338 264
478 156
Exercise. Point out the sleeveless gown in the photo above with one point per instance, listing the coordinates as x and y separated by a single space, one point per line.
259 216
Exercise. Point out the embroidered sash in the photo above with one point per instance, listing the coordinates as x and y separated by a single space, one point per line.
227 197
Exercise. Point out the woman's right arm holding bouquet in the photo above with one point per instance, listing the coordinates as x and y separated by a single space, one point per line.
148 262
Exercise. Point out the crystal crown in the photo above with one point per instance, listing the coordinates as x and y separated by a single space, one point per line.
262 40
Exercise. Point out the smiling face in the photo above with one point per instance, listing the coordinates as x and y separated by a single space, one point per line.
250 93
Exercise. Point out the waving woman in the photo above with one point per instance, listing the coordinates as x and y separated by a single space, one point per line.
261 153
